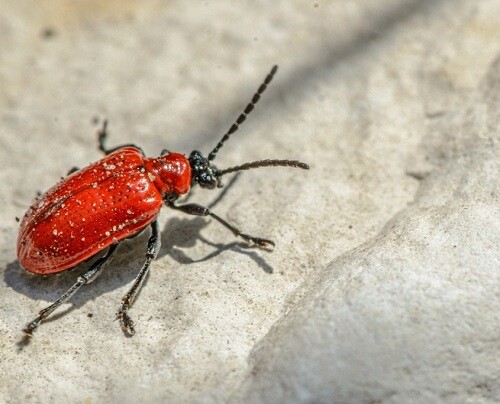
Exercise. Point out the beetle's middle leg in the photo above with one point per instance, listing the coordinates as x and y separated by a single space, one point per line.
72 170
154 244
102 136
89 276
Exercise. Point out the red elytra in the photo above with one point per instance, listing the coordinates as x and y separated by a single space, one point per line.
117 197
97 206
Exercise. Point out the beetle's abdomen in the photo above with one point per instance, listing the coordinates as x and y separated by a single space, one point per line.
86 212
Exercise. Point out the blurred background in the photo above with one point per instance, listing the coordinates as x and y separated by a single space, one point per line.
384 283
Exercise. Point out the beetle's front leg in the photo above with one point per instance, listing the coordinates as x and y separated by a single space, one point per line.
198 210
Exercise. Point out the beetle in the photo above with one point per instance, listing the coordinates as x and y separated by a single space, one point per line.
115 198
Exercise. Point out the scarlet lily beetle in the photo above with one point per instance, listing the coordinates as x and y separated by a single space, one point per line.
115 198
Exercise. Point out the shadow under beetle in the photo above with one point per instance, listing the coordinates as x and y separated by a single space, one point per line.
115 198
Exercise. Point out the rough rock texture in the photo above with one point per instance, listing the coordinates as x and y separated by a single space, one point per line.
384 285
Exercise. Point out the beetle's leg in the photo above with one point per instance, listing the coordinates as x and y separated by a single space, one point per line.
72 170
86 278
154 244
102 135
198 210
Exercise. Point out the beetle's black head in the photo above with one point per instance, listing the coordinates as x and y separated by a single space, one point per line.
208 176
202 172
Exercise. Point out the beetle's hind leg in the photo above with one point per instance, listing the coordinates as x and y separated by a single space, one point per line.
154 244
90 275
102 136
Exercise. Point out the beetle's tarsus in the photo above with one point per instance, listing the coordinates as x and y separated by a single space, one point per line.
28 330
259 242
33 325
126 322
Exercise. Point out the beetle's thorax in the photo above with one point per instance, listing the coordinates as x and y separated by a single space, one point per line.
171 173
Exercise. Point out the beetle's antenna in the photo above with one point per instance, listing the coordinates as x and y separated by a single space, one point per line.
249 108
263 163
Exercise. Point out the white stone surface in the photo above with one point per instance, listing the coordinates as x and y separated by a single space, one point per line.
385 277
